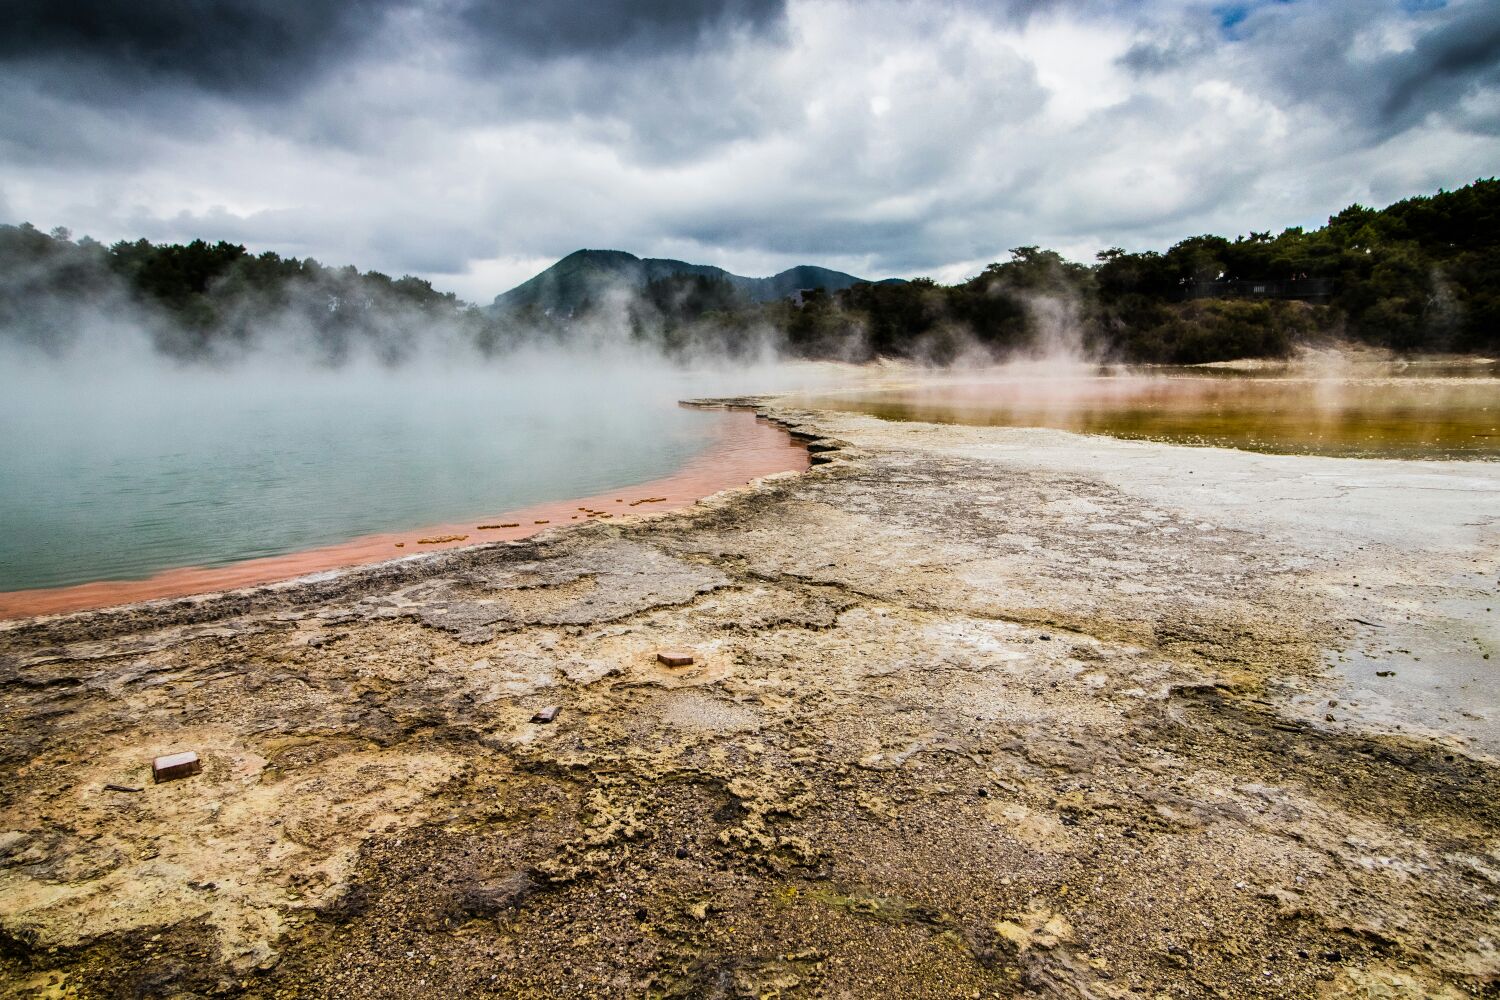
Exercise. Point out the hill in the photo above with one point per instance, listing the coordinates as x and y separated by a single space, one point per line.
584 277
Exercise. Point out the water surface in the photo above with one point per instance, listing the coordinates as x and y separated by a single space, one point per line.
1413 412
119 475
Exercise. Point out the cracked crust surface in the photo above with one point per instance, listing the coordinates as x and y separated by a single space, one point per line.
974 712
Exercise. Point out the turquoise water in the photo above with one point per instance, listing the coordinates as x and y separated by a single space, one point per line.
115 475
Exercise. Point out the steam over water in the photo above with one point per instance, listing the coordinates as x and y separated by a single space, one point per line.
117 474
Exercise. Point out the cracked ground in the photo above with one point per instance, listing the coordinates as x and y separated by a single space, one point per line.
975 712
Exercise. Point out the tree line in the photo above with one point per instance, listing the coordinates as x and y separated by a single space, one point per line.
203 299
1422 275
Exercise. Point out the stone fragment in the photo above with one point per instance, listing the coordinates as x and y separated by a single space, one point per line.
490 899
675 657
175 765
546 715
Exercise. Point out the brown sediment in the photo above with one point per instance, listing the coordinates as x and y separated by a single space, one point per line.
745 447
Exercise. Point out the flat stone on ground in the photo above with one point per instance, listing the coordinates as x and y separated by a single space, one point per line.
175 765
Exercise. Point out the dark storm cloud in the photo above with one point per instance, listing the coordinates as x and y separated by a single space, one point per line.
474 140
225 46
1318 55
1159 55
534 29
108 51
1444 65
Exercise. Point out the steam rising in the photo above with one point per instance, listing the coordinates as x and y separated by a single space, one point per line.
263 415
131 442
217 306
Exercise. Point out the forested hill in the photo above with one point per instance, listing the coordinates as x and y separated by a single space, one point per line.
584 280
203 299
1422 275
1418 276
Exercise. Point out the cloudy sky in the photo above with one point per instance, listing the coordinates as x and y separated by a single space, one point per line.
474 143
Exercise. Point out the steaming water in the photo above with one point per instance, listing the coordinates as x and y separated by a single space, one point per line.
1391 413
111 478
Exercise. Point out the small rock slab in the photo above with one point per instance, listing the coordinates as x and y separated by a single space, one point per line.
175 765
546 715
675 657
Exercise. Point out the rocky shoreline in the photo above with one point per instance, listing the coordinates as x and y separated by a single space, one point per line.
974 712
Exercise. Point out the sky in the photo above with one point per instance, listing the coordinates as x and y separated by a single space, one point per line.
474 143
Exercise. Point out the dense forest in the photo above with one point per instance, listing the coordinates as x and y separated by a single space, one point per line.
213 301
1422 275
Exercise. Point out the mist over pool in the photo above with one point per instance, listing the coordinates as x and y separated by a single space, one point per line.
119 469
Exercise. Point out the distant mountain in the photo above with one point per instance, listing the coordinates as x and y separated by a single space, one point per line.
583 276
